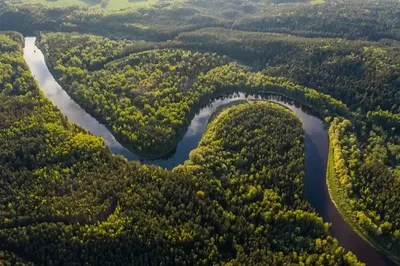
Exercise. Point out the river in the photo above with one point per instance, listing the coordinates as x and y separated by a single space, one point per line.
316 148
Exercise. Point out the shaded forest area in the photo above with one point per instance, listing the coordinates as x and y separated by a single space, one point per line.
157 90
154 67
364 92
67 199
355 19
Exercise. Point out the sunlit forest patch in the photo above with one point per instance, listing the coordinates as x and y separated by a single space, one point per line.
144 73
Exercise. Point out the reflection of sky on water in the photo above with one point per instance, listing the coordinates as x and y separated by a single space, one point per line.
192 137
200 119
316 148
60 98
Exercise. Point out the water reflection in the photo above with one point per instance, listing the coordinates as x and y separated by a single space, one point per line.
316 147
52 90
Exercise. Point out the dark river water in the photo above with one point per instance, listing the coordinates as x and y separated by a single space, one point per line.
316 148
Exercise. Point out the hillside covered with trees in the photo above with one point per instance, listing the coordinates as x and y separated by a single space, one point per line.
67 200
144 73
157 90
350 19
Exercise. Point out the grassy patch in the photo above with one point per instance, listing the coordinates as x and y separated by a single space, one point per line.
315 2
119 4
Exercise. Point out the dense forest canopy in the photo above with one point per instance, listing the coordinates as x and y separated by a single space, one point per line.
352 19
66 198
155 91
354 80
362 74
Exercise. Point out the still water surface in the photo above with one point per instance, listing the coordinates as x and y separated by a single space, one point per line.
316 147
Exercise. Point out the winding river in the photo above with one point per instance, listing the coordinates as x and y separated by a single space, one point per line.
316 148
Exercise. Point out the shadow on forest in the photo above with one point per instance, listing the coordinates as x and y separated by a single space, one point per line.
87 2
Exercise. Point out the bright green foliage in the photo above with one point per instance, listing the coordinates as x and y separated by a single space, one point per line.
368 76
10 259
371 188
355 19
66 200
242 141
42 154
361 74
253 156
148 98
137 87
364 76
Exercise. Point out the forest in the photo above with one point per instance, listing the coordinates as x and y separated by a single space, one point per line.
369 69
239 199
67 200
156 90
349 19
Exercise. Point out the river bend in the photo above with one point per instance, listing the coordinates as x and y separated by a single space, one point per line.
316 148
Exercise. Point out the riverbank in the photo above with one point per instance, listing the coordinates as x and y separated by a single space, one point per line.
314 127
220 109
131 127
339 199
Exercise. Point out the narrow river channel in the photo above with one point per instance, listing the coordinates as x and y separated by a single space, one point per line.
316 148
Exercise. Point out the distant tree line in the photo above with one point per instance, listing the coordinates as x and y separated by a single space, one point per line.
355 19
65 199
